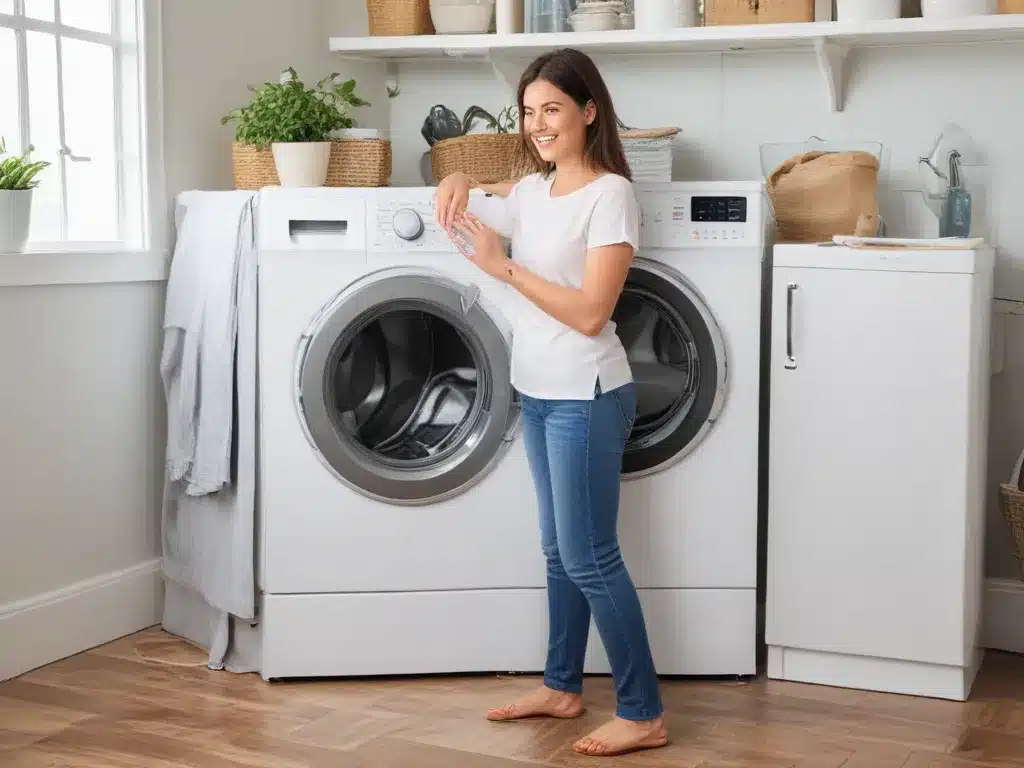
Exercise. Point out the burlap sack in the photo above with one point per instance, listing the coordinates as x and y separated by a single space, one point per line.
820 194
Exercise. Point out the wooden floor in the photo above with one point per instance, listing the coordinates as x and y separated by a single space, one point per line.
148 700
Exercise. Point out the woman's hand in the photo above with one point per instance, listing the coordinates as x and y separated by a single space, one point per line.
488 252
451 198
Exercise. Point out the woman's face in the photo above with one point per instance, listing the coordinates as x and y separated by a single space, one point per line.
554 123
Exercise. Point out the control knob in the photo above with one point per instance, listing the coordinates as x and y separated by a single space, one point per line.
407 224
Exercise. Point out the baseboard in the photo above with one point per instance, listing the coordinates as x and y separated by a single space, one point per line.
1003 627
58 624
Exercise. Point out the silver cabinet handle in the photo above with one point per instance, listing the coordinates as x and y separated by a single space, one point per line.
790 360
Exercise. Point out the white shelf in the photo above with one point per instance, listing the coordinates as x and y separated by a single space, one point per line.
831 41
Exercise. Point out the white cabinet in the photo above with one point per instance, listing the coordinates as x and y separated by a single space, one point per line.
879 410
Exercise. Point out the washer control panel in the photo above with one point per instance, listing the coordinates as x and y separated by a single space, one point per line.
673 219
407 225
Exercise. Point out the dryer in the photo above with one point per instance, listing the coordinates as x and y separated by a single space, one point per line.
690 318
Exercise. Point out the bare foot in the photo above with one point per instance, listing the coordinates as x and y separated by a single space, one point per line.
544 702
619 736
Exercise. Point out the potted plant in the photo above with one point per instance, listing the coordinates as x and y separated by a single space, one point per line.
18 180
296 122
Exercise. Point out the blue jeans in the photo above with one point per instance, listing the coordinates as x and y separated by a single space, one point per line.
575 451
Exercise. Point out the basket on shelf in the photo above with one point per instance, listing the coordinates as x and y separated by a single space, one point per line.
1011 6
399 17
353 163
487 157
728 12
1011 502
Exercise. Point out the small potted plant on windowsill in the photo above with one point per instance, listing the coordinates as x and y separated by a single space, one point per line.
296 122
18 181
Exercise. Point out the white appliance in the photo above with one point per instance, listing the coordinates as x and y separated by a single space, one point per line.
879 413
690 318
399 530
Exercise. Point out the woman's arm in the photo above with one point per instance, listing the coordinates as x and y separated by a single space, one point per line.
586 309
501 188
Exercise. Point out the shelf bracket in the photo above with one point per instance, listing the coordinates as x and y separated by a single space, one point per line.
507 69
832 63
391 78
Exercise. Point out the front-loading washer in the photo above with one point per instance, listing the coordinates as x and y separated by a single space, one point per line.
398 532
690 318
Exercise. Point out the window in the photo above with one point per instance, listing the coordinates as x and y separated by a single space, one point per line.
71 88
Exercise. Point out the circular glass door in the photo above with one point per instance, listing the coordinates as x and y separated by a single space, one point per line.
403 385
677 355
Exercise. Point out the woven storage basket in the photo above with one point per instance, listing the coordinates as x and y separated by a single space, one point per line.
1011 6
399 17
487 157
1011 502
354 163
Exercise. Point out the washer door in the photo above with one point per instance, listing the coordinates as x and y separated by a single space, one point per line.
677 355
403 387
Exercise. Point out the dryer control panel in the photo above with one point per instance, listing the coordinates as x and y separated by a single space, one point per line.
705 218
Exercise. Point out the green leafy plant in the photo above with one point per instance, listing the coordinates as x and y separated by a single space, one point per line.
505 122
18 172
292 112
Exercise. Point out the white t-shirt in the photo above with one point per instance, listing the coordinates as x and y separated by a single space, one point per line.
550 237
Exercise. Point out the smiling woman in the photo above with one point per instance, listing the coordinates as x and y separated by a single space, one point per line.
575 229
70 89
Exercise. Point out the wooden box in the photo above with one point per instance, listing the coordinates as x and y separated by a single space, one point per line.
725 12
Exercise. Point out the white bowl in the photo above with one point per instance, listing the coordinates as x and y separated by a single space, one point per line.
461 17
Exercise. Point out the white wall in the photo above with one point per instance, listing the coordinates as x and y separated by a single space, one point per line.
81 404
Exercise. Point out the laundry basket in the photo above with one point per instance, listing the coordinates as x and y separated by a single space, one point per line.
1011 502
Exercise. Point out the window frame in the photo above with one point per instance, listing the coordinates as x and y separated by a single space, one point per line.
134 67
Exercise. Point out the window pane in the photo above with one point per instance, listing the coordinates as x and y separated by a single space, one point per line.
44 134
6 6
40 9
89 130
10 131
86 14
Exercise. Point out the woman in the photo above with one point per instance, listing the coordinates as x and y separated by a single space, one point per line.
574 229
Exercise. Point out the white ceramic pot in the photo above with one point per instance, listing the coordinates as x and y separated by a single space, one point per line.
656 15
956 9
302 164
15 216
867 10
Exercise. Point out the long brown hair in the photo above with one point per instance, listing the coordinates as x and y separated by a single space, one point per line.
576 75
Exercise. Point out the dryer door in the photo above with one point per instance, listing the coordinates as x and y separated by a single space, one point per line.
403 386
677 355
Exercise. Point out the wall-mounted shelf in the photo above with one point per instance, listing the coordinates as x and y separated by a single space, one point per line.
832 41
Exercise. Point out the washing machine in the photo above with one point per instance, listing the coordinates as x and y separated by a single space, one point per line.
690 318
398 523
398 527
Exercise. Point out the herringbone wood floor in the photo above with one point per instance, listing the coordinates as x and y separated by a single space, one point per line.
146 700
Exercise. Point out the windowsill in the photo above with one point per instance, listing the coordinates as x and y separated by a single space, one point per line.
81 266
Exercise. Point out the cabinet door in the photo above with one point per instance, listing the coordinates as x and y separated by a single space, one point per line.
867 466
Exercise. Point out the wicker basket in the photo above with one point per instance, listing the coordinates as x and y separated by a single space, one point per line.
354 163
399 17
1011 6
1011 502
487 157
